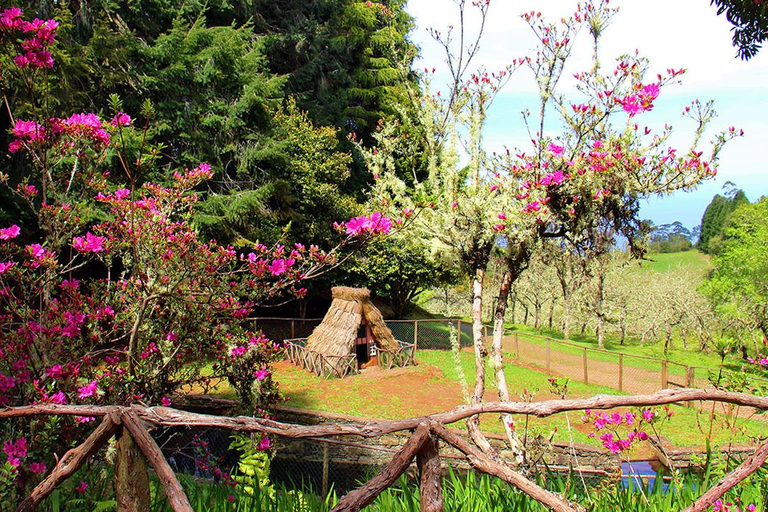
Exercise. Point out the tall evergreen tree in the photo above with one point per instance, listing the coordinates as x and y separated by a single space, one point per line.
715 216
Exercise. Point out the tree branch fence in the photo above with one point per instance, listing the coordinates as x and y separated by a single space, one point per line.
130 426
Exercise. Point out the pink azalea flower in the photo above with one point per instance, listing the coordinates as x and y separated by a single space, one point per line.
555 149
84 419
261 374
89 389
81 487
165 401
264 444
58 398
121 119
6 266
10 233
89 243
37 467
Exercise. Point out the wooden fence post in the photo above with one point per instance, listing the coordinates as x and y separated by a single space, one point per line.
621 372
131 476
584 360
548 358
459 333
430 478
326 463
664 374
416 335
690 378
293 329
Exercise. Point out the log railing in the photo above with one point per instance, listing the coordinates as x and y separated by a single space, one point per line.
130 424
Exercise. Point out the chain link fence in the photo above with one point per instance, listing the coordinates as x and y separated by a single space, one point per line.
339 464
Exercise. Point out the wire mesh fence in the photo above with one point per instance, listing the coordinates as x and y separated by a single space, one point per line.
339 464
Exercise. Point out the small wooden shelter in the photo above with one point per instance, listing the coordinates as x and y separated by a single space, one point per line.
351 336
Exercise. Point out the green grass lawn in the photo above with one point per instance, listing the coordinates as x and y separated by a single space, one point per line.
687 428
692 260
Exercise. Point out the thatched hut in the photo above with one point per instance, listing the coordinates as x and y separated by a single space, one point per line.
352 335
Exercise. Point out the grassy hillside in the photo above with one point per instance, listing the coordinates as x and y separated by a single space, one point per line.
693 260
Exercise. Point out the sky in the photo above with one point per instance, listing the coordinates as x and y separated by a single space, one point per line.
671 34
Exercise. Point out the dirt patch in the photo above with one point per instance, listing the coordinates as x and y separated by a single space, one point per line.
396 393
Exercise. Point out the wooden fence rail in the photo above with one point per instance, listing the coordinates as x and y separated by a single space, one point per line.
130 423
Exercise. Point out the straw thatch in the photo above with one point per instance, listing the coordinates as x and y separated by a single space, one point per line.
336 334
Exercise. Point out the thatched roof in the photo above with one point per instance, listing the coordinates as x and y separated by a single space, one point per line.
336 334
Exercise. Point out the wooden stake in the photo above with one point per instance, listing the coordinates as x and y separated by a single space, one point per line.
430 476
173 490
131 476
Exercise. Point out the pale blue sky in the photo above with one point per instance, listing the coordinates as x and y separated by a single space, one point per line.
672 34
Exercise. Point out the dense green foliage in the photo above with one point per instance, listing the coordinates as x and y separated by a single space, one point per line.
461 492
750 24
739 282
399 270
714 216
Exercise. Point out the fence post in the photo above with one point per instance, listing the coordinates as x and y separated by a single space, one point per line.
517 347
416 336
459 338
584 359
131 477
326 463
485 330
621 372
548 372
293 329
664 374
690 372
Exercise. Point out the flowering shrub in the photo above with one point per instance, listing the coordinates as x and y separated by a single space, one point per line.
113 297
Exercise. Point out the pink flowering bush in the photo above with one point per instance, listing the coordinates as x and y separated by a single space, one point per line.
111 297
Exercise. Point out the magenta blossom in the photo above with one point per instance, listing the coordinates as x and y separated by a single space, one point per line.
10 233
89 243
555 149
89 389
261 374
37 467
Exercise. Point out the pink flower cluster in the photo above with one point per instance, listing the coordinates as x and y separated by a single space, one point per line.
35 49
26 132
610 424
89 243
15 451
375 224
84 125
10 233
641 101
727 506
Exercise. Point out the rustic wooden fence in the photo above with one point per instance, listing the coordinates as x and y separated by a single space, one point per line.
328 366
135 447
